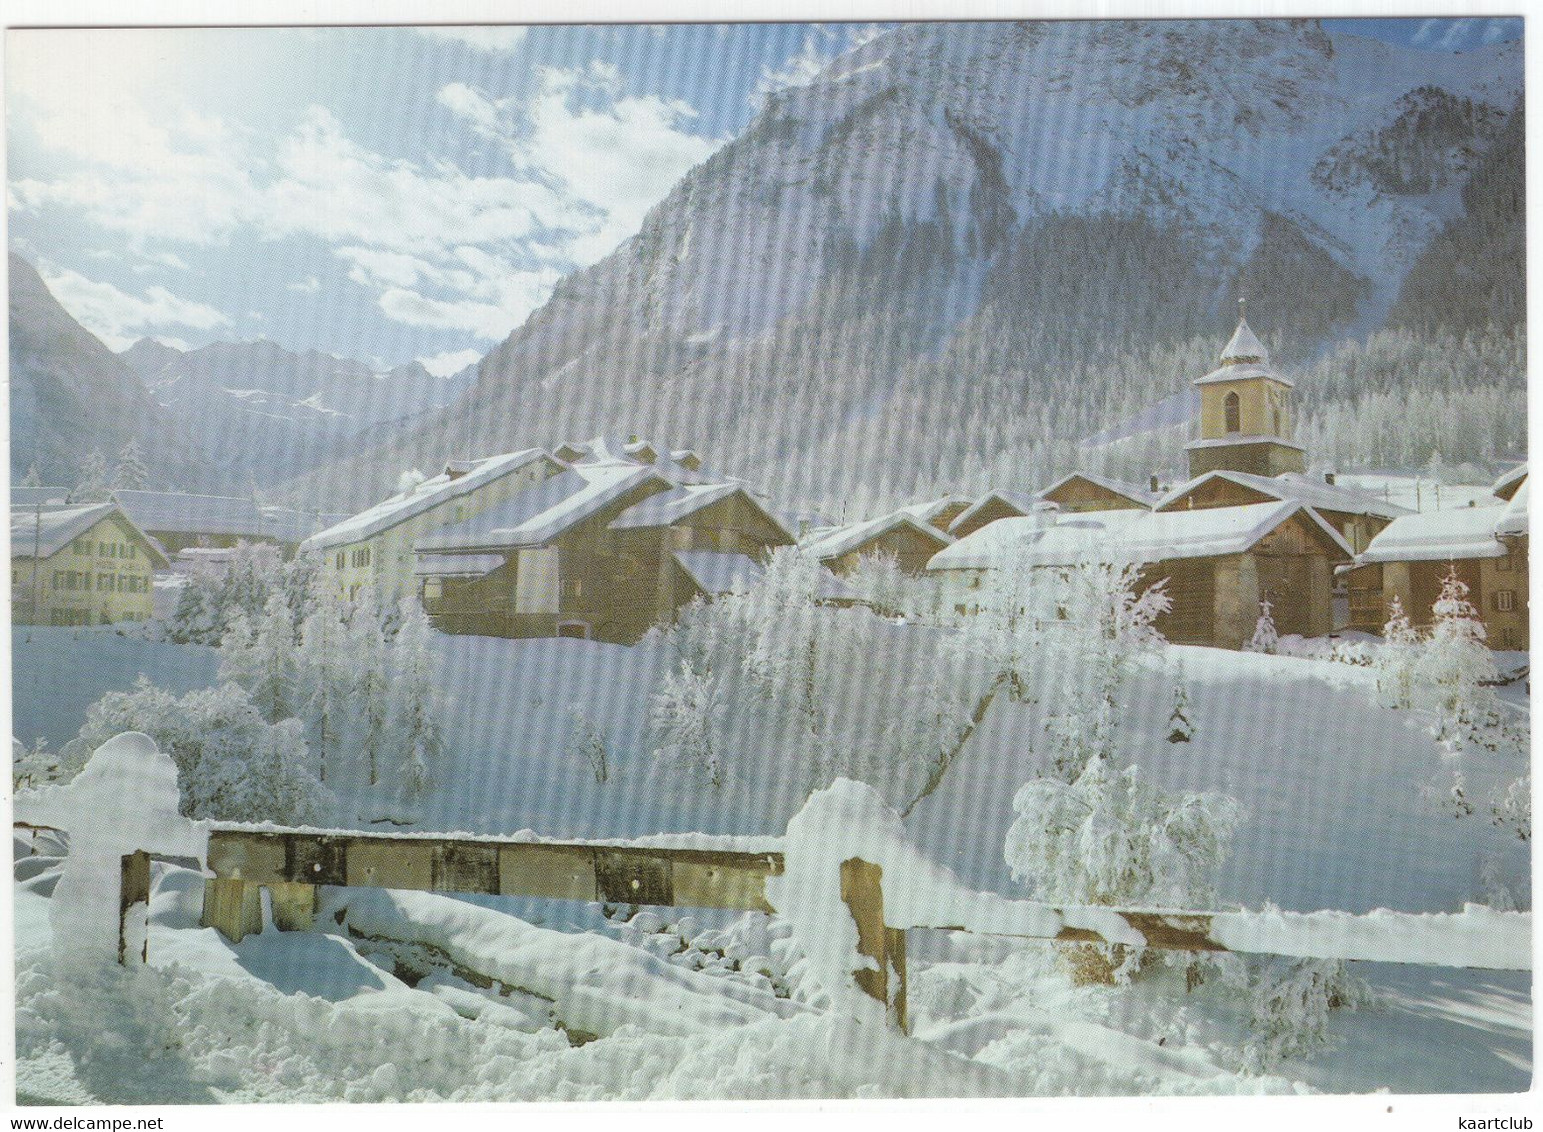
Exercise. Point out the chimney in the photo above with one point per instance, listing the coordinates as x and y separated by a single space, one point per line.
1328 478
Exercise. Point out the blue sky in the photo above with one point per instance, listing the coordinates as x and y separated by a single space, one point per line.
382 193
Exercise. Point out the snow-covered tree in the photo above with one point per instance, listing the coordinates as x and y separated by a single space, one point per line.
261 657
131 473
415 724
1265 638
1511 808
326 675
1289 1002
231 764
367 650
1397 658
92 486
879 581
683 715
32 479
1456 671
784 616
35 765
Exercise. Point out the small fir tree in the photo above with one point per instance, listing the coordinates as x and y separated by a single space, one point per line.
1180 729
1264 639
1397 658
326 675
1457 672
32 478
372 687
416 710
92 487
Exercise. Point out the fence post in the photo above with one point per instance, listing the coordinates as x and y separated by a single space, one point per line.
233 906
863 894
133 892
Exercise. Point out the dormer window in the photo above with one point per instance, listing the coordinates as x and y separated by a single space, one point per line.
1232 412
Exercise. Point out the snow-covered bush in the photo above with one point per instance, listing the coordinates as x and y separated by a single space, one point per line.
1289 1003
683 715
35 765
232 765
1180 728
216 593
587 741
1265 636
1456 672
1511 808
1113 837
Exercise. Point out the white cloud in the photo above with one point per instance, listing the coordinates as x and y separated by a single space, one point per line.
493 39
1426 32
1504 28
308 286
622 157
450 363
119 318
467 102
799 69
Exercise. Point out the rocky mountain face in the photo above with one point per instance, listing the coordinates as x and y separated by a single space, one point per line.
71 395
964 246
270 413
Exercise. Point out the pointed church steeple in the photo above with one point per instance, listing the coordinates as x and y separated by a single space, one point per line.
1245 412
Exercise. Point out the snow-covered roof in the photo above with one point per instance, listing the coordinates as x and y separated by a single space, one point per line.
930 510
1130 536
1513 521
290 525
720 572
1017 501
50 531
1244 346
456 565
683 466
1292 485
183 513
431 492
670 507
826 544
537 516
1458 532
1225 441
32 496
1505 486
1134 492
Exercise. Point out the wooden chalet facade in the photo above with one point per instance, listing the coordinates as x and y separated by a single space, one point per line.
1082 491
1218 564
604 550
911 541
1487 546
990 508
1358 517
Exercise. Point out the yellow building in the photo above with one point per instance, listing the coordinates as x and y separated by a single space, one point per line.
1246 415
86 565
374 549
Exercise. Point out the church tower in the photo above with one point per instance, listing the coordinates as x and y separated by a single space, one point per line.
1246 417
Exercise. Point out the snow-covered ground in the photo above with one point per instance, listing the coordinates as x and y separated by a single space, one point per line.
376 1004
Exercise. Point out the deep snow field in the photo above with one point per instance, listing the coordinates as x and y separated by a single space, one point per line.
373 1005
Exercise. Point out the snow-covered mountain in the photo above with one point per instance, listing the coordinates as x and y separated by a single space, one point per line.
271 412
71 395
1019 198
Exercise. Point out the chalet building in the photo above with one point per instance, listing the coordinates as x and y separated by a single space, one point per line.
1485 544
86 565
1083 491
910 540
1219 563
989 508
1357 516
1246 417
374 549
178 520
609 547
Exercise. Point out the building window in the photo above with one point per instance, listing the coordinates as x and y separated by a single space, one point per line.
341 560
1507 637
1233 412
104 582
361 557
1503 564
1505 600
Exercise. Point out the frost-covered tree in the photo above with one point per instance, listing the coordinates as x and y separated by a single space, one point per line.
886 589
783 614
1265 638
35 765
1511 808
232 765
1289 1003
32 479
131 473
416 726
683 715
92 486
261 656
216 592
1113 837
368 653
587 741
1397 658
326 675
